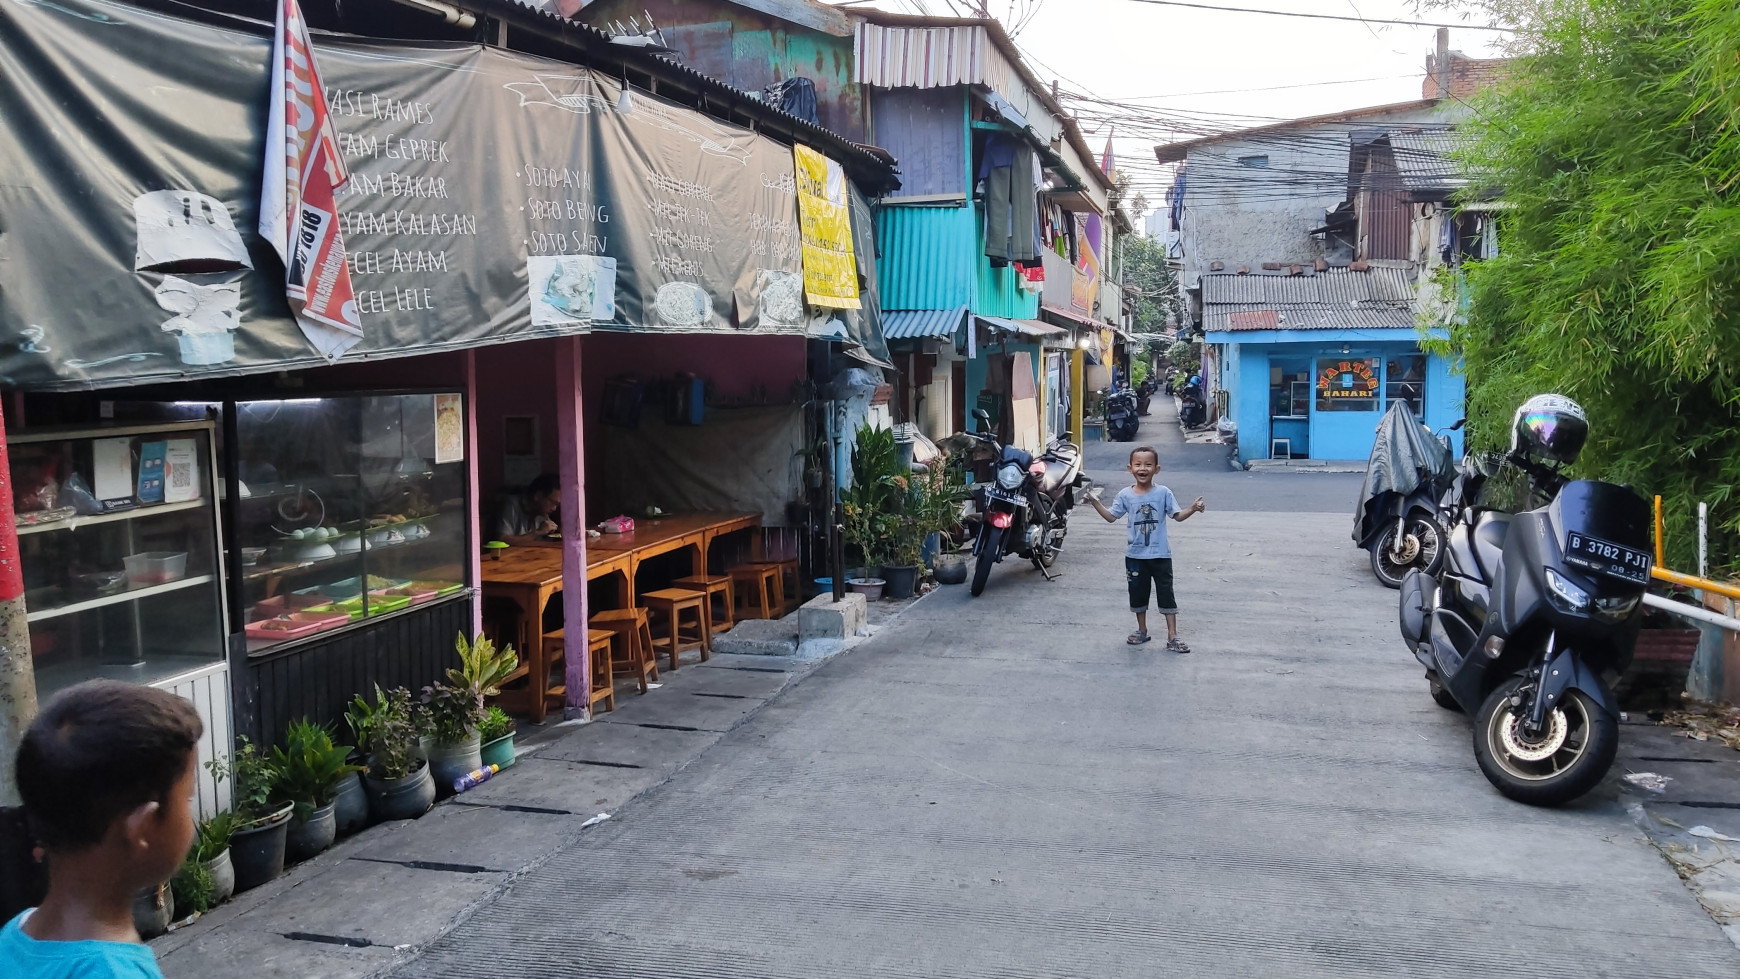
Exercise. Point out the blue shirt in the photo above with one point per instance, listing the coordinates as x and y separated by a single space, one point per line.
24 957
1147 512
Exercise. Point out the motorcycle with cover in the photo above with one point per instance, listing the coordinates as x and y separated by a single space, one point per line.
1533 611
1399 517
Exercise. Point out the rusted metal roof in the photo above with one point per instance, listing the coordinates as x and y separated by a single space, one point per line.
1339 286
1424 161
1239 318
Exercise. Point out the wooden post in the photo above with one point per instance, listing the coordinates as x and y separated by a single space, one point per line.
571 446
1078 394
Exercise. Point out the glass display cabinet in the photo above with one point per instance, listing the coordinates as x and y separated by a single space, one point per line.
118 544
348 509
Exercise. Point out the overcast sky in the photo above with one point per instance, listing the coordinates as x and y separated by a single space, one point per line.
1179 72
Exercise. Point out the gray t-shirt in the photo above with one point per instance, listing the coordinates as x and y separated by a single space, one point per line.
1147 512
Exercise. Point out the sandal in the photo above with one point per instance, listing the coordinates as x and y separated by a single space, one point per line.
1137 638
1177 645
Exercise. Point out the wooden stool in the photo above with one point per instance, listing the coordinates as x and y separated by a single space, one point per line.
633 652
598 642
791 587
672 603
759 590
555 659
716 586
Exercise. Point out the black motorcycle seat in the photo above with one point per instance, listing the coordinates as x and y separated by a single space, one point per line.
1489 530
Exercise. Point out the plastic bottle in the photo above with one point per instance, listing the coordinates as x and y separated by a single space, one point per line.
475 777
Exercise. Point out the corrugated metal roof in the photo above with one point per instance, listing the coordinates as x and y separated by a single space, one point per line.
1032 328
1333 286
1424 161
1234 318
914 324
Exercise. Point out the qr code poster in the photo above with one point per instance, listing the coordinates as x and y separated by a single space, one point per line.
571 289
181 481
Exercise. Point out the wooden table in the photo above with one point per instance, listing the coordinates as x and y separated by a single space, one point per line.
531 574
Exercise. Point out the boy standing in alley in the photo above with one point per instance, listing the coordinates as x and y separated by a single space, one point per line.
107 773
1147 556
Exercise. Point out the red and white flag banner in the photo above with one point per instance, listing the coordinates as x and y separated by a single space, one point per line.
298 198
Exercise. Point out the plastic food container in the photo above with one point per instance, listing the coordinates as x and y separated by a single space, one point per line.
415 594
155 567
295 625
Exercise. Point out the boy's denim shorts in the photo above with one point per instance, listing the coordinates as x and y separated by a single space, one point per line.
1157 572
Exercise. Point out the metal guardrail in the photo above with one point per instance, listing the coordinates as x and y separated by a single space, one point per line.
1695 612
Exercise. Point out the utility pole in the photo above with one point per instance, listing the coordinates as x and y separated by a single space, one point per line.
1441 65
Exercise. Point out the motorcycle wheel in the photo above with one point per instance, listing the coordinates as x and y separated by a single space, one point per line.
1429 553
1441 696
1569 760
987 557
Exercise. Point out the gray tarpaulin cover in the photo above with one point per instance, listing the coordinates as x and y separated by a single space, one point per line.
494 197
1403 456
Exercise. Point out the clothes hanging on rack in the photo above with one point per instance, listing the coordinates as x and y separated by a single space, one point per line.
1011 201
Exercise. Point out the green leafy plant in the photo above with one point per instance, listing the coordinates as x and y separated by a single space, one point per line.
254 780
1615 138
392 734
362 717
310 767
871 506
451 712
481 665
194 890
495 724
212 836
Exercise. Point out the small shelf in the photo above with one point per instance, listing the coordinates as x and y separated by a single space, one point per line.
130 595
73 523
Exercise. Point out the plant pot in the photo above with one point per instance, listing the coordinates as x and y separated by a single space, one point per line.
449 762
870 588
901 580
951 569
153 910
350 805
931 550
257 851
306 838
400 798
223 877
499 752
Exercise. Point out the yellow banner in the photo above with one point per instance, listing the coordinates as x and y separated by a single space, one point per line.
830 269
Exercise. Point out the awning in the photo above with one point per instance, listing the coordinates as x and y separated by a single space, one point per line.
1031 328
1072 316
914 324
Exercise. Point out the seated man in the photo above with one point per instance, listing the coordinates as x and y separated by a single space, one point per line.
527 514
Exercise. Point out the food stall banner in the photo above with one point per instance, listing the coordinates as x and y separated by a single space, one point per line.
493 197
830 272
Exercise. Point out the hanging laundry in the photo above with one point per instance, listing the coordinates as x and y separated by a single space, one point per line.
1011 200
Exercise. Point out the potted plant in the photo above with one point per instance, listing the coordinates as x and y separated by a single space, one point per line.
871 506
310 769
211 852
153 910
193 889
496 731
397 779
453 708
261 821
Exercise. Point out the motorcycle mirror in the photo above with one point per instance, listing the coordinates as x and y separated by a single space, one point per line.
982 415
1459 423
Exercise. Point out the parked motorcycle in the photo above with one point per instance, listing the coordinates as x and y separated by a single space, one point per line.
1531 611
1024 509
1122 418
1193 408
1400 516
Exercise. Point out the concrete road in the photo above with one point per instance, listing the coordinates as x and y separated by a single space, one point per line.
1001 787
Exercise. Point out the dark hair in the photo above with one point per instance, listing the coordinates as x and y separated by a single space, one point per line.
97 751
544 484
1145 448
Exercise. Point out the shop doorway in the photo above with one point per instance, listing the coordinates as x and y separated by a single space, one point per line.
1289 408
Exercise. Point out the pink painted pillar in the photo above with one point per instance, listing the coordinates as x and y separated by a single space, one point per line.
478 526
571 450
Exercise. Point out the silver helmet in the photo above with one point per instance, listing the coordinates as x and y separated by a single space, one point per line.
1549 428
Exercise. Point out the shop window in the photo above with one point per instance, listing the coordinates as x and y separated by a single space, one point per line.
1289 392
1347 384
351 508
1259 161
1405 380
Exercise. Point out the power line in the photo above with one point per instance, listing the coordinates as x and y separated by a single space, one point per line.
1266 88
1340 17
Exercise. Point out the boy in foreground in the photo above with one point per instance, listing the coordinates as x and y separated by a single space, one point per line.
1147 555
107 775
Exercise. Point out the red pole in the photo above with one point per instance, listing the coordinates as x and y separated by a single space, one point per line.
17 679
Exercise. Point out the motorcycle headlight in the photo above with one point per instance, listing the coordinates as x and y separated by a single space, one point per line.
1009 477
1568 597
1616 609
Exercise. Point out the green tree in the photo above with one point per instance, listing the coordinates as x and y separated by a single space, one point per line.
1614 142
1155 286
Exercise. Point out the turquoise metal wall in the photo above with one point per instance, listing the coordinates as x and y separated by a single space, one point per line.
927 257
994 290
